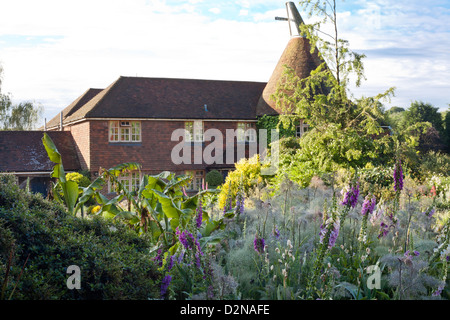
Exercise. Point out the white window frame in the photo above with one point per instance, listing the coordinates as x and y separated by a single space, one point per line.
135 131
188 130
113 131
130 180
301 128
246 132
198 179
124 131
194 131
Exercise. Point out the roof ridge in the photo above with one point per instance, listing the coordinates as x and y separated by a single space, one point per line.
73 107
106 90
164 98
191 79
93 103
73 104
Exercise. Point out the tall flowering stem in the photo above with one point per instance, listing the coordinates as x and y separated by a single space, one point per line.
323 248
350 200
188 240
443 277
398 176
328 235
165 285
330 228
228 204
199 212
443 249
442 253
191 257
398 183
367 209
239 202
258 244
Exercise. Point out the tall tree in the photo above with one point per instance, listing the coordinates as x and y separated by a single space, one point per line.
342 127
424 112
395 110
394 117
21 116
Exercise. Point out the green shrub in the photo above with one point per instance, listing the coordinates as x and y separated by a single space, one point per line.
114 261
434 163
378 181
249 172
80 179
214 178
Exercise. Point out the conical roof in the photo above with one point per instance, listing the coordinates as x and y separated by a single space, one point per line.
297 55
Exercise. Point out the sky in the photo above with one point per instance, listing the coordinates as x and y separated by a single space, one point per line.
52 51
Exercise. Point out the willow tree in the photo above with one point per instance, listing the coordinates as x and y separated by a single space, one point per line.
20 116
342 128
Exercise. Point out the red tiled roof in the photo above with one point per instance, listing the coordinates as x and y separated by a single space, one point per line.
23 151
164 98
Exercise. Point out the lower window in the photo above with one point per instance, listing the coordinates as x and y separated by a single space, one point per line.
197 182
129 180
301 128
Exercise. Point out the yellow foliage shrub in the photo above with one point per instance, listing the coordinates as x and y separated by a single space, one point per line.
247 172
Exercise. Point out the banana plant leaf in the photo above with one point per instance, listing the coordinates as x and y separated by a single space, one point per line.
127 166
167 205
89 192
69 188
211 226
127 215
51 149
177 182
70 191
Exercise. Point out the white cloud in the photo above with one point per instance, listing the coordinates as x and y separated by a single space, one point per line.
243 12
269 15
92 48
406 46
214 10
92 43
243 3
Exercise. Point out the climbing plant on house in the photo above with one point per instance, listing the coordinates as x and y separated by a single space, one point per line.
270 122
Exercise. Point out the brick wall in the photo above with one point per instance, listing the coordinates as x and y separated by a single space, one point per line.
80 133
153 152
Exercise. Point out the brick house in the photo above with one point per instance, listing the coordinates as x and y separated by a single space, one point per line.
134 118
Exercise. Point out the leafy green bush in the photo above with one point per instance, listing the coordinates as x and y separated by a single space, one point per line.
248 171
433 163
377 180
214 178
114 261
80 179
